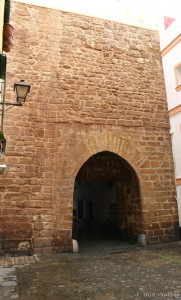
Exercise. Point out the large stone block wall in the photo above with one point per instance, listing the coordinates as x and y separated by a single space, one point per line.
96 86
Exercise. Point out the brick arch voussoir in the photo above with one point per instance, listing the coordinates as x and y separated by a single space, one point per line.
108 142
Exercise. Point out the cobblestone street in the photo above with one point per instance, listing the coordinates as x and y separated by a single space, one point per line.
8 274
112 270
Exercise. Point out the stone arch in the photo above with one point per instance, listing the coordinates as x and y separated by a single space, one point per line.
83 150
76 157
118 208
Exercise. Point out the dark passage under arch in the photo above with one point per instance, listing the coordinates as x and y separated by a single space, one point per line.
106 200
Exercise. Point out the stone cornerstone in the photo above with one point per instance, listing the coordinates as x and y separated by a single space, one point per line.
97 86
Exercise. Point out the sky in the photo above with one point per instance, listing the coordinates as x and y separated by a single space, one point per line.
145 13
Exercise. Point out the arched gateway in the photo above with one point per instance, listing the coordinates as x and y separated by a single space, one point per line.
107 201
137 210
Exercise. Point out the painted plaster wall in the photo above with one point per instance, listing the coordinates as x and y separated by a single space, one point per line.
179 202
175 122
170 60
167 36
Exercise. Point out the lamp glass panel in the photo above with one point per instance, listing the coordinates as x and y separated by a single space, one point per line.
21 92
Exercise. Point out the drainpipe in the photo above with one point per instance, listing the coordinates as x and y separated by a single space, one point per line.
4 16
7 11
2 98
2 89
1 23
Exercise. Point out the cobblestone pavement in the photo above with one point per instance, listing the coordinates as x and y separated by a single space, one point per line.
8 275
8 284
108 271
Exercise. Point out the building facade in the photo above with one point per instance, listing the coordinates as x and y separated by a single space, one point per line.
95 123
171 58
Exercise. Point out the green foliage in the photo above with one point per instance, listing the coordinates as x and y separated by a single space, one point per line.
2 143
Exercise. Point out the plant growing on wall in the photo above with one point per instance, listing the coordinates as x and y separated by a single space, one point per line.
2 143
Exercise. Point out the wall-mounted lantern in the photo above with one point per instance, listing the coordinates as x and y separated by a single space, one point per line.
21 90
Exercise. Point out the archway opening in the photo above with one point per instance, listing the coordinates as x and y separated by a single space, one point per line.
106 203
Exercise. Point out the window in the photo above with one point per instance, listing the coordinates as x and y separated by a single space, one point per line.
178 77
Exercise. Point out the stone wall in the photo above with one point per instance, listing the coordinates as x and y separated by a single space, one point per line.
96 86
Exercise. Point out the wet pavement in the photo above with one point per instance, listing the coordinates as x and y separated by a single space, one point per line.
108 270
8 284
8 274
